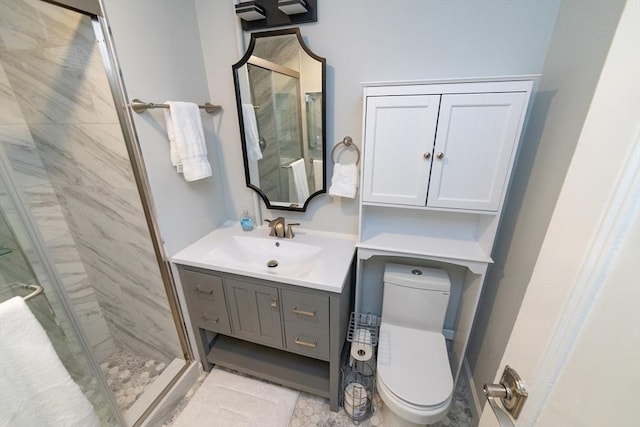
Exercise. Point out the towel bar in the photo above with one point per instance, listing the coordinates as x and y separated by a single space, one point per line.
347 142
140 106
37 290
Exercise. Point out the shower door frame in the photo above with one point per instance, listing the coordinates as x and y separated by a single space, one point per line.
95 10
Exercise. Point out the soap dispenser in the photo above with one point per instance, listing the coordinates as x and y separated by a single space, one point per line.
246 221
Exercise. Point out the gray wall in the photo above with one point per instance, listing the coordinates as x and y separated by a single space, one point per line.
375 40
158 46
580 42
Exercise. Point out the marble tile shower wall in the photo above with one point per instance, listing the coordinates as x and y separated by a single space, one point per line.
61 133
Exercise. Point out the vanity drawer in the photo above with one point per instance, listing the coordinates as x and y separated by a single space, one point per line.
210 316
305 308
307 340
203 286
205 297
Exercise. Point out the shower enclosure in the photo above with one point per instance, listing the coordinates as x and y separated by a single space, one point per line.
75 216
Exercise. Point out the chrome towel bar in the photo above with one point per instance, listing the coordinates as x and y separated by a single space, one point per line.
36 290
140 106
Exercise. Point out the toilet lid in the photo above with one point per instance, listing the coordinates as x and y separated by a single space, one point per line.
413 364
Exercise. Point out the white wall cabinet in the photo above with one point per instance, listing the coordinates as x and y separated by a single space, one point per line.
440 150
437 157
399 136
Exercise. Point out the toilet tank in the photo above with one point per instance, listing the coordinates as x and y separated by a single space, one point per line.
415 297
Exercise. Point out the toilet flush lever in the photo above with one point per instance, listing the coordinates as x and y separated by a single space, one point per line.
511 392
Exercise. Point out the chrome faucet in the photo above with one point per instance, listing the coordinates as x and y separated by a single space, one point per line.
278 228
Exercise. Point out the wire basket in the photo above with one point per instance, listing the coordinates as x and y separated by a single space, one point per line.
359 375
358 385
359 322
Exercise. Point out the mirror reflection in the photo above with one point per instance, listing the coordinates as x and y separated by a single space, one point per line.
280 94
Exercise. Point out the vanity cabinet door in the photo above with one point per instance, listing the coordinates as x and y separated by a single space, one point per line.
399 137
255 312
205 298
474 148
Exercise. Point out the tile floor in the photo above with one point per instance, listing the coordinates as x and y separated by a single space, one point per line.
128 375
313 411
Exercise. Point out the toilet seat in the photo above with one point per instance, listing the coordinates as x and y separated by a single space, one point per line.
413 367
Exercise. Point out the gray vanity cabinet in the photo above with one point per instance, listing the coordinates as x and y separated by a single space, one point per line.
286 334
255 312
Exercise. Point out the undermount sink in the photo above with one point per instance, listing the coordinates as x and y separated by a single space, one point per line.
268 255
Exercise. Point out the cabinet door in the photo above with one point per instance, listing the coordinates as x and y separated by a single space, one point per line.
474 149
399 135
255 312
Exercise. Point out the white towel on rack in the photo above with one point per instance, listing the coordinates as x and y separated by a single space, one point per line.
173 144
344 182
300 180
251 135
188 147
35 388
318 172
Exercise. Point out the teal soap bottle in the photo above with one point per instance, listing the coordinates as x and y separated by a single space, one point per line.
246 221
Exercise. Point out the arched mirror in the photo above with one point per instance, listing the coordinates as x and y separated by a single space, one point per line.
280 92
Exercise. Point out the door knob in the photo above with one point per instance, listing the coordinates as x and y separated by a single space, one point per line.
440 155
511 392
274 303
427 155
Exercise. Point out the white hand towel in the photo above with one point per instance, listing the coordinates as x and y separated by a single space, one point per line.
251 135
344 182
185 124
300 180
318 174
173 145
35 388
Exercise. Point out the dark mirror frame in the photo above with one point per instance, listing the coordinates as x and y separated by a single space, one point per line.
243 61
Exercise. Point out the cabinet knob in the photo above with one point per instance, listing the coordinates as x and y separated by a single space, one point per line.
427 155
440 155
274 303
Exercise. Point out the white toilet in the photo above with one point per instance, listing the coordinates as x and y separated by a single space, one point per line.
414 377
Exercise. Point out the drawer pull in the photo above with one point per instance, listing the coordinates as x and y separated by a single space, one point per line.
209 292
304 343
304 312
204 317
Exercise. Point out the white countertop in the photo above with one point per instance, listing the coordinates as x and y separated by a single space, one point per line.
329 269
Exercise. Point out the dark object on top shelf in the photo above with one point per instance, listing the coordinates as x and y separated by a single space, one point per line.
260 14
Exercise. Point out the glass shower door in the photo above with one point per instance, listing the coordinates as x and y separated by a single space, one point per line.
24 263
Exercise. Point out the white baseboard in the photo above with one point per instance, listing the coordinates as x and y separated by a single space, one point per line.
474 399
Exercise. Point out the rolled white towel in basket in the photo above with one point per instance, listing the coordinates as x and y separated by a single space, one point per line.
35 388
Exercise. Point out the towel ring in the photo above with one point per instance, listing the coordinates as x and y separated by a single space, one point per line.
347 142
